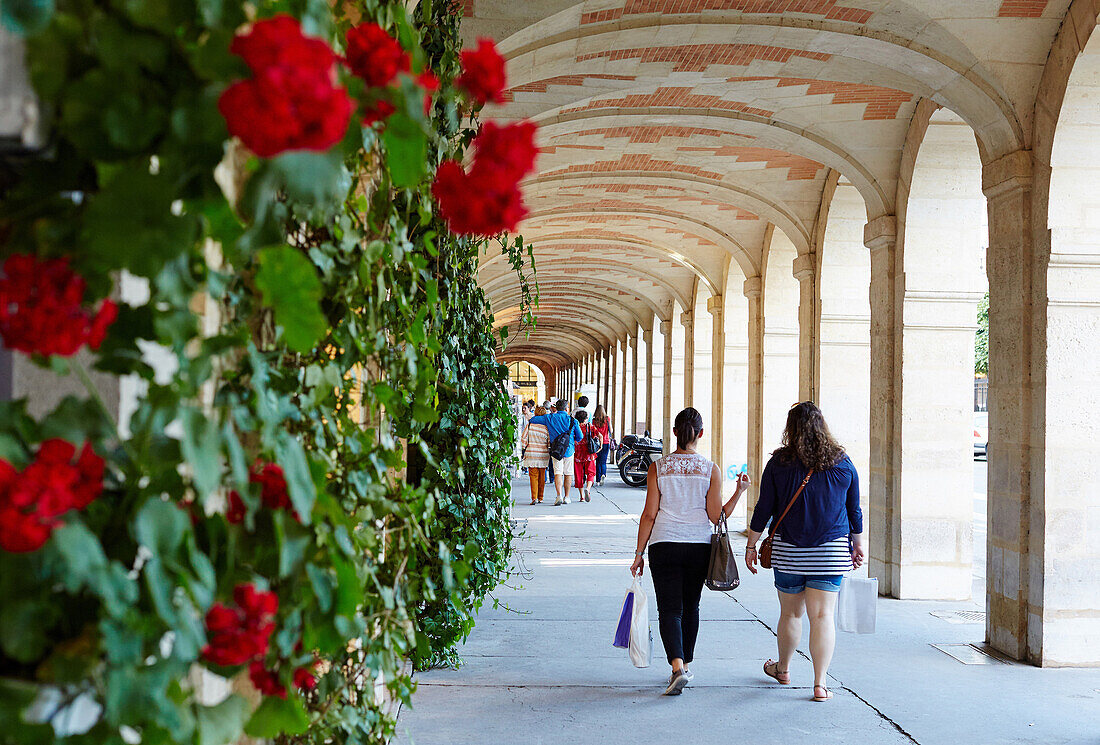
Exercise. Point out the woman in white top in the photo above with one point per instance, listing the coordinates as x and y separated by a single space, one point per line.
683 502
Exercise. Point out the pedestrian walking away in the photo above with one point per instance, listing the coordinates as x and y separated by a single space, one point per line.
584 459
602 424
536 455
809 494
683 502
560 425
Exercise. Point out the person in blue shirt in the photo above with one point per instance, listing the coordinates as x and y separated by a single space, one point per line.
558 423
809 492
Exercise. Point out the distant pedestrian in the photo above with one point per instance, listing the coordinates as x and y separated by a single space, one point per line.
536 455
683 500
602 424
817 537
558 423
584 462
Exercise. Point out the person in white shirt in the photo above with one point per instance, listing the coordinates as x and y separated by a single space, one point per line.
683 502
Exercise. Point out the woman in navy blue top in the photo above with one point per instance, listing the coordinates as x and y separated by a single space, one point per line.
819 539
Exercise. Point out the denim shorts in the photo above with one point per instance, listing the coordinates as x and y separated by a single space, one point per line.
796 583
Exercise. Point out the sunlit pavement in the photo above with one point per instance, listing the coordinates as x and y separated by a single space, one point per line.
540 668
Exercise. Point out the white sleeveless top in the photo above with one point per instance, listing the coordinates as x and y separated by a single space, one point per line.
684 481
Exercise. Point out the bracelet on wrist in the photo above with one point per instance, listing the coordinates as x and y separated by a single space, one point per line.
639 553
750 548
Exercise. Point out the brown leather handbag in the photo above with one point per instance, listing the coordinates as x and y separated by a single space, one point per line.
764 555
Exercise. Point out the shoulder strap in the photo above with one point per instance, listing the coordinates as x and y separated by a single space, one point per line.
797 494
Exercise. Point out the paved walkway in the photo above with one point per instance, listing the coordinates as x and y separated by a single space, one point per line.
542 671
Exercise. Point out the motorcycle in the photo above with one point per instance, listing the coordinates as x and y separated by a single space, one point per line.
635 455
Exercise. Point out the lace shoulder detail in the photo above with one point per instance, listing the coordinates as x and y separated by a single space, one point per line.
684 464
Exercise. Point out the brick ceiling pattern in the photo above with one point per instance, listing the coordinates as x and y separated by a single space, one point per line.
673 133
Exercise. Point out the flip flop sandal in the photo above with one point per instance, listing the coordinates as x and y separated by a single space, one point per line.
821 699
775 674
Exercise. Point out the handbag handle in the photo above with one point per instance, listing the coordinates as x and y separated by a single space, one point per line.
797 494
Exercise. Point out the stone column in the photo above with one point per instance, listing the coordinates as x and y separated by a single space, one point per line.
625 387
805 271
633 340
687 319
612 371
608 376
717 309
647 337
666 379
884 521
754 291
1016 542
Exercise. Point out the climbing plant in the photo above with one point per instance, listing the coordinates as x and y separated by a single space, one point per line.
257 215
981 338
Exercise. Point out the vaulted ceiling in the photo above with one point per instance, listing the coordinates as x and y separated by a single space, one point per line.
673 132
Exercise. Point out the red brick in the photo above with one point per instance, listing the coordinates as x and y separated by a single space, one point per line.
1022 9
698 57
672 97
799 168
653 134
883 103
823 8
540 86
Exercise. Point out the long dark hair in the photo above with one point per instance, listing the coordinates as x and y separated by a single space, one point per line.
599 417
688 426
807 440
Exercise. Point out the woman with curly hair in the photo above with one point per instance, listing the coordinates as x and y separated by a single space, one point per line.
809 492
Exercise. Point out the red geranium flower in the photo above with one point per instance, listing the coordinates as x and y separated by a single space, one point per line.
304 679
266 681
483 73
33 501
374 55
238 635
42 308
430 83
291 102
379 111
486 199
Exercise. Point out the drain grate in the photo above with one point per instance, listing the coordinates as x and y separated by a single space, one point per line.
960 616
968 654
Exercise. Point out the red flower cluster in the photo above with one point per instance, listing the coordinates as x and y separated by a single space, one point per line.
267 681
486 199
483 73
273 492
238 635
374 55
33 501
291 102
42 308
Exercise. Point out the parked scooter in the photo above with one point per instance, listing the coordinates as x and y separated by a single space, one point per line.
636 454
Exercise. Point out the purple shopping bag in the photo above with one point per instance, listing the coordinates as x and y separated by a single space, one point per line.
622 633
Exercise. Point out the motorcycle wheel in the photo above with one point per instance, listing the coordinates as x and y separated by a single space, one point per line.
633 470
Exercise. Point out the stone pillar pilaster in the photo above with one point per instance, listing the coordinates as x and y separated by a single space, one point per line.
612 370
805 271
625 387
687 320
754 291
1015 549
717 309
884 520
633 341
647 337
608 375
666 379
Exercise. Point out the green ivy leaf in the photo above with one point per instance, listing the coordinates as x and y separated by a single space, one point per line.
406 148
292 458
276 716
24 627
313 179
202 448
87 566
26 17
291 288
222 724
160 526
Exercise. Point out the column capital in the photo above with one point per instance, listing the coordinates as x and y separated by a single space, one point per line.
753 287
647 336
687 318
632 341
804 267
882 232
666 327
1009 172
715 304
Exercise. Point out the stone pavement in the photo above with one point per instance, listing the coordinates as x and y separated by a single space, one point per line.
540 669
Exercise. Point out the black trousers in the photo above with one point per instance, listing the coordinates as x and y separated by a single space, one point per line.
678 570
